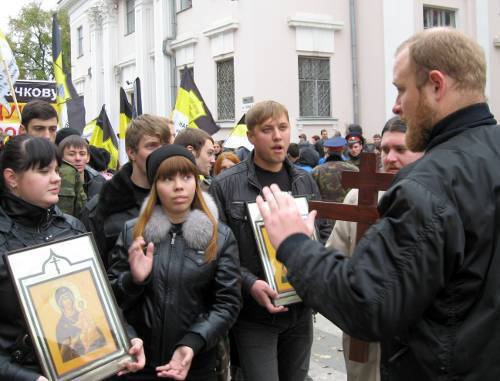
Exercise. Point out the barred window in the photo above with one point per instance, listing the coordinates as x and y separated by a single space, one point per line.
79 34
185 4
314 87
130 16
225 89
438 17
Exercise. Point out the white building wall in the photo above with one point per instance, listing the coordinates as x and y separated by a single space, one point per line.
265 39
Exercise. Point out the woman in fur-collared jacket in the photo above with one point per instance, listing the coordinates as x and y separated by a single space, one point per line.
175 272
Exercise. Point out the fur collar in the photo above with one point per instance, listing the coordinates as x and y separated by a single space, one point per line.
196 230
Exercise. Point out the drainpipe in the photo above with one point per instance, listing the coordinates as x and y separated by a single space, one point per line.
354 61
172 35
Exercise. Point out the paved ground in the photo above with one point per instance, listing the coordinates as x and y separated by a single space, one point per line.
327 358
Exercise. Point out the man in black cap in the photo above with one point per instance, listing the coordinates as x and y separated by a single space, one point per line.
355 142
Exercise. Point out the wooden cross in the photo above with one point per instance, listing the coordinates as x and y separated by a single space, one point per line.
368 181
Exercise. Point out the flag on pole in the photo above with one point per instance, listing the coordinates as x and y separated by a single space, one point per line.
137 106
70 104
190 109
104 136
125 113
238 136
9 73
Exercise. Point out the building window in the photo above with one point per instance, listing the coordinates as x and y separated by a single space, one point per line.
79 34
438 17
314 87
225 89
185 4
130 16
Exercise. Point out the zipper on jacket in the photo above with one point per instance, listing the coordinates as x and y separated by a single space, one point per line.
172 241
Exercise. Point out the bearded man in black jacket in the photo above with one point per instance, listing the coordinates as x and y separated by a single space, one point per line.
424 279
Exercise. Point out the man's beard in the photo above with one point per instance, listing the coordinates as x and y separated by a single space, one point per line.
420 127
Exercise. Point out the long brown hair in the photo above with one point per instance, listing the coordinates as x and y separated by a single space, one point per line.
168 168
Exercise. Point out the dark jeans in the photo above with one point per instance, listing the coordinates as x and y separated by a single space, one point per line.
278 350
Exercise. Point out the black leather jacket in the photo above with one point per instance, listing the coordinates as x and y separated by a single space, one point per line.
425 279
185 300
17 359
231 190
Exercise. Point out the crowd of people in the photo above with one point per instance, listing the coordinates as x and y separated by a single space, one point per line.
172 229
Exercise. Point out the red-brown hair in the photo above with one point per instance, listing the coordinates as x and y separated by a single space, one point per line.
224 156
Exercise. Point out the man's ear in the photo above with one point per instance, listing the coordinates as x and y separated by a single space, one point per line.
22 129
250 136
438 84
130 154
10 178
190 147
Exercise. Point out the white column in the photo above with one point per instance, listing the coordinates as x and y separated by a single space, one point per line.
95 101
143 46
399 24
161 80
109 55
483 36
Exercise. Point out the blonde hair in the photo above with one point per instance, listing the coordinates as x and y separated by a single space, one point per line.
450 52
150 125
171 167
262 111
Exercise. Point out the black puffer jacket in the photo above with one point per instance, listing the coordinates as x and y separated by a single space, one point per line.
23 225
185 300
118 201
425 279
232 189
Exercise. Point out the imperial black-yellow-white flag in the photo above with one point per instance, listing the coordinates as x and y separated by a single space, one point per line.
70 104
104 136
190 108
238 136
125 113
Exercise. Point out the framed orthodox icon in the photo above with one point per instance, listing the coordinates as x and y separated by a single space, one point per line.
276 273
70 311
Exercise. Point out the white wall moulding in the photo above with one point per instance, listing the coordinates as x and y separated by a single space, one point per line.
221 35
184 49
314 33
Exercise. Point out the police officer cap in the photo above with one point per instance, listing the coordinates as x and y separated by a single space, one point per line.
337 142
163 153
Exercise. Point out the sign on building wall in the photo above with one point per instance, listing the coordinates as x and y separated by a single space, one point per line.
246 104
26 91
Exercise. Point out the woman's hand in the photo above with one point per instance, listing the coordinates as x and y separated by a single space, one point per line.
137 351
140 264
179 364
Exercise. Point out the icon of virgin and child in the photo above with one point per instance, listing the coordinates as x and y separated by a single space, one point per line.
76 332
